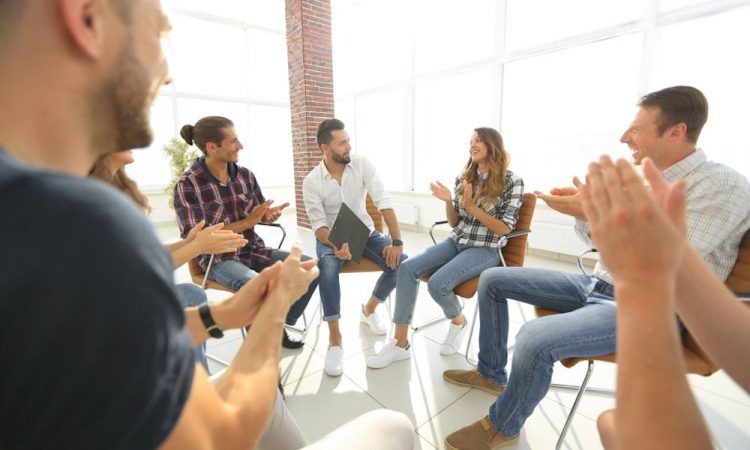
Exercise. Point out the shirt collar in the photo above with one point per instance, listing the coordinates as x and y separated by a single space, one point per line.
200 170
685 166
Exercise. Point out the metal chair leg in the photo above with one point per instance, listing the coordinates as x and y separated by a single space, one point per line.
218 360
581 391
436 320
471 335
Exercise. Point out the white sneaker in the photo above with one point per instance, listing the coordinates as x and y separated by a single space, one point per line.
374 321
333 364
453 339
388 354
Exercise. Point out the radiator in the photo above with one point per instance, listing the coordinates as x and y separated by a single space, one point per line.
407 213
558 238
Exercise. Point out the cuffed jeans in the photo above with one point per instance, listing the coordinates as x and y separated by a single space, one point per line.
234 275
193 295
330 268
450 265
588 329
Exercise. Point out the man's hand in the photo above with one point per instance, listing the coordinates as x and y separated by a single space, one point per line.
215 240
640 235
295 276
258 212
342 252
566 200
440 191
240 309
273 214
392 256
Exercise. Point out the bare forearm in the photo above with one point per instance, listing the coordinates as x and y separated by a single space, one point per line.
240 225
716 319
450 214
322 234
655 407
392 223
250 382
184 253
494 224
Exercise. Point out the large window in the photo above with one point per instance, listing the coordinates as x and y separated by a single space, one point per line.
559 79
226 58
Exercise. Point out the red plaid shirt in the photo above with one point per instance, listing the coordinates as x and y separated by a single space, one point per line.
199 195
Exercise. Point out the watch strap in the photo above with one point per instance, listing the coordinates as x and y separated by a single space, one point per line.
208 321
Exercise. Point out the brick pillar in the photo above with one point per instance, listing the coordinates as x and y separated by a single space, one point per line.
308 37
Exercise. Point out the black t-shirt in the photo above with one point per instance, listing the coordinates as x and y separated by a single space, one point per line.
93 351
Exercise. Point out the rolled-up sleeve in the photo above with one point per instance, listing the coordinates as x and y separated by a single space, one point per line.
312 197
375 186
508 205
582 230
187 206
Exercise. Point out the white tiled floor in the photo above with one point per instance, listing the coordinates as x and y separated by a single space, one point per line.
416 387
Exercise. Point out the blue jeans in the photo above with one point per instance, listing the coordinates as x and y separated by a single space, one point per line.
234 275
330 268
193 295
450 265
587 329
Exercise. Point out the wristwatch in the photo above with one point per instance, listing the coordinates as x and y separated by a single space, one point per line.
208 321
397 243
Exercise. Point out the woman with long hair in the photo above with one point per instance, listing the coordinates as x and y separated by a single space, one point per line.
485 207
110 168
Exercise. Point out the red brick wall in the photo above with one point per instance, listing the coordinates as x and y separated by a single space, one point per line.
308 36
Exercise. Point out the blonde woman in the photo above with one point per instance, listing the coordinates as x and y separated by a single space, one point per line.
485 207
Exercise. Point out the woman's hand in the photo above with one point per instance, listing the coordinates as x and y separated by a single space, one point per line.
467 199
215 240
440 191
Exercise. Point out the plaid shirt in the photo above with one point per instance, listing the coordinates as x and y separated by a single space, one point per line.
717 212
199 195
471 232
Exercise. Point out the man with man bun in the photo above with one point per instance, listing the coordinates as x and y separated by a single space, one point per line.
218 190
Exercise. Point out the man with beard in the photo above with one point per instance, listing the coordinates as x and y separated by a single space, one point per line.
666 130
341 178
95 343
218 190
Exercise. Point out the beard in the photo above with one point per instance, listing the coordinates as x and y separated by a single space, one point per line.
120 106
341 159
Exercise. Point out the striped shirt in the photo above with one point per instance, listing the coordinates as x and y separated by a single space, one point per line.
471 232
718 212
199 195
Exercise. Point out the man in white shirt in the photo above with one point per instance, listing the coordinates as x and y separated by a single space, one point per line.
342 178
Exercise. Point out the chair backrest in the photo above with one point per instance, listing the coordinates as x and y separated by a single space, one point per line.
372 210
739 282
514 251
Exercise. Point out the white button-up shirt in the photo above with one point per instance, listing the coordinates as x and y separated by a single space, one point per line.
323 195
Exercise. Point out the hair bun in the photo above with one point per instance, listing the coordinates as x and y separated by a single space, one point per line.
187 133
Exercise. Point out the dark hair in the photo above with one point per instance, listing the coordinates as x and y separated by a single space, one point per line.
208 129
679 104
120 180
498 161
325 130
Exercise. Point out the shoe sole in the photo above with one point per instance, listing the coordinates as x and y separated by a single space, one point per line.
473 386
503 445
367 324
383 367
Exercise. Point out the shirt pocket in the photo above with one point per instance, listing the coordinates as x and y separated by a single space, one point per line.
215 212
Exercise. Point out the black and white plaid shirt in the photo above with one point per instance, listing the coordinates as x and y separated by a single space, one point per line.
471 232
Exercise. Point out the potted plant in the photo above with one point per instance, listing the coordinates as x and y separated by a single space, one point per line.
181 155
